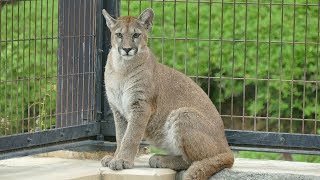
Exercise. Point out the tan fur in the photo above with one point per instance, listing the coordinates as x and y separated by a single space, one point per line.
166 107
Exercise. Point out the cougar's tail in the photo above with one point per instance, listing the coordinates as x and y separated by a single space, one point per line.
202 170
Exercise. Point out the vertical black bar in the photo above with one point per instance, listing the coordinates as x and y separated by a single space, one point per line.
269 65
65 66
128 7
41 65
256 70
46 58
292 64
162 33
104 113
29 67
23 65
82 68
221 56
78 101
1 70
60 94
186 40
316 118
6 76
150 34
73 64
34 67
280 66
1 108
52 115
99 74
174 33
244 67
209 51
233 61
198 42
18 120
12 80
304 71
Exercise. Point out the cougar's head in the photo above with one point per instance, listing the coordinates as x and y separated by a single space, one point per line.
129 35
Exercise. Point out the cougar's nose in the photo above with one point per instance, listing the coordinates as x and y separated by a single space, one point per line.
127 50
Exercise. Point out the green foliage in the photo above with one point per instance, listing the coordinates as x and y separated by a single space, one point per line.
278 156
28 66
231 60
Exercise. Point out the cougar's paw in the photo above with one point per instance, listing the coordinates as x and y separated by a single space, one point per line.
180 175
155 162
197 175
105 160
119 164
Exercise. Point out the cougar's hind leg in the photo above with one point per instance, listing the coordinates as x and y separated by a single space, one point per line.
175 159
195 138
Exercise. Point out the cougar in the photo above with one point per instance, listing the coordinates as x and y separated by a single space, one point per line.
152 101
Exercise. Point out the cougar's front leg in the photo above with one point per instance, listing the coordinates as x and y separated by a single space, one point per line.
137 122
121 126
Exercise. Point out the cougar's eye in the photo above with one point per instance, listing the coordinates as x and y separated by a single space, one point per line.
136 35
119 35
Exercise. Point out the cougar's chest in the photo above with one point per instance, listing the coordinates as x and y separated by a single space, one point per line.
117 94
114 91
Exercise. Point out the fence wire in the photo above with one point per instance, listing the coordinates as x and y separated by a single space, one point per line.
47 64
257 60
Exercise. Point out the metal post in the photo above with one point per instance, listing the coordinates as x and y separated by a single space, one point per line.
103 46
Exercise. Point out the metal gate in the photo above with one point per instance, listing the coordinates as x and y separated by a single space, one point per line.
70 50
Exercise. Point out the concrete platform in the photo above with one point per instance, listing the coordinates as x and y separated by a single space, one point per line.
39 167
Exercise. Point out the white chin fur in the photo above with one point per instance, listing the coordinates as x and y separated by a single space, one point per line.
126 57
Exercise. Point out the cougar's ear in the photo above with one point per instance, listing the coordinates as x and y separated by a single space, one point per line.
109 20
146 18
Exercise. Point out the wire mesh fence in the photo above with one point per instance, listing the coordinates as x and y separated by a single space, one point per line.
76 69
47 64
257 60
29 38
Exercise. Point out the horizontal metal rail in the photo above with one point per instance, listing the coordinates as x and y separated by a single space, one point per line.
259 141
15 142
55 147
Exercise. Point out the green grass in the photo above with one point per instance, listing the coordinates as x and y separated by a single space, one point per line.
156 150
261 155
278 156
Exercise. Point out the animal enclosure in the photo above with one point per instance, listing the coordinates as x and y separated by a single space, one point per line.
258 61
